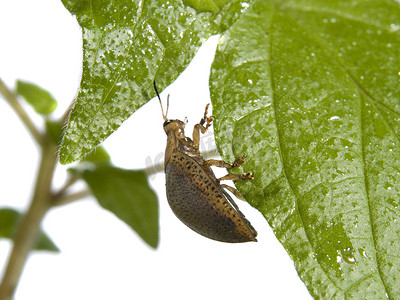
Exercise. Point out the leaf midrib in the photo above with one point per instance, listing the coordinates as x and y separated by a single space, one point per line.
374 103
284 164
373 233
361 135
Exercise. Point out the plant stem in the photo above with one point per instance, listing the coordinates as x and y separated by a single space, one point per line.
42 200
61 193
28 229
68 198
12 100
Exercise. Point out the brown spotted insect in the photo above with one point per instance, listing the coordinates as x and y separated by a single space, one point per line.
194 194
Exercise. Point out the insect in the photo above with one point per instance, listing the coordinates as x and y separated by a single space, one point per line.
194 194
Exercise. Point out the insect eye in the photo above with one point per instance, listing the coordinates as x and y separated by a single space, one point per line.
167 122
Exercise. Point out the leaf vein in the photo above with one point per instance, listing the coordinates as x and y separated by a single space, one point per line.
105 98
357 283
374 103
341 14
284 167
373 233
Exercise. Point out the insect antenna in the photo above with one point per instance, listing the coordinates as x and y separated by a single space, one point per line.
159 99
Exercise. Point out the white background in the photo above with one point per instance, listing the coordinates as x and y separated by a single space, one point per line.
101 258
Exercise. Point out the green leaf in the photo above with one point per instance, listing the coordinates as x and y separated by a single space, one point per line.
127 195
206 5
41 100
98 155
9 220
54 131
309 91
126 45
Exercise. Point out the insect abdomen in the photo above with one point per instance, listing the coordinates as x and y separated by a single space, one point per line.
200 204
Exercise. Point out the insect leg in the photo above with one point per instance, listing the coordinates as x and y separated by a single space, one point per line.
237 177
223 164
200 127
233 191
206 119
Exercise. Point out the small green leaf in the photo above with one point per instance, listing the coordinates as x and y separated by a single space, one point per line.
126 45
9 220
98 155
41 100
54 131
127 195
309 91
45 243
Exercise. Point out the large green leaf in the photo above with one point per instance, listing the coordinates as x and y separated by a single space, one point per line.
9 220
126 45
309 91
126 194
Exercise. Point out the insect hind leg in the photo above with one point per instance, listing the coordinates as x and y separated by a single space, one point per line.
222 164
233 191
237 177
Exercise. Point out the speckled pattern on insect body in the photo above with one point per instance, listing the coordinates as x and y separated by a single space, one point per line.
194 194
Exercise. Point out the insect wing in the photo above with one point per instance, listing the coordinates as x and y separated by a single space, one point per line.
201 204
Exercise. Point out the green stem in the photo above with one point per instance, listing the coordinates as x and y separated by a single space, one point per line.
69 198
63 191
12 100
29 227
42 200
